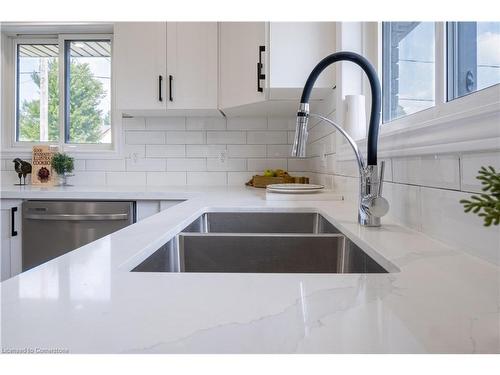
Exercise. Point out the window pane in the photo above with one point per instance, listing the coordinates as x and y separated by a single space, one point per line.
88 71
408 68
473 57
37 109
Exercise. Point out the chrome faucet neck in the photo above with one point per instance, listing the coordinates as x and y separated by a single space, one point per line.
372 206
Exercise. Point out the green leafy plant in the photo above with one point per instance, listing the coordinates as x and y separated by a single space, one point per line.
62 163
487 204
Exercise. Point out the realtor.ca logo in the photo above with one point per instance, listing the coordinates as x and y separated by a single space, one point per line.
35 351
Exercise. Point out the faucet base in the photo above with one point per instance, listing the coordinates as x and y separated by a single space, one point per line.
368 220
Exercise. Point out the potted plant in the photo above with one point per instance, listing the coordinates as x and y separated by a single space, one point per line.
486 204
63 164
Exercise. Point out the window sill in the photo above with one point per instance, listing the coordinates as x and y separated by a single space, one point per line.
25 152
463 125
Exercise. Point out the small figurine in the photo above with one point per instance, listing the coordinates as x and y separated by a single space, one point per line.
23 168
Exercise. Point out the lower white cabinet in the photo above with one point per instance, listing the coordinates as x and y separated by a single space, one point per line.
148 208
11 227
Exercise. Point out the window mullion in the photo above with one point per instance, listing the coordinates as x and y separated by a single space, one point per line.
441 66
62 95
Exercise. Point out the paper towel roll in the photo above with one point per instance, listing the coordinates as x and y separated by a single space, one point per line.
355 116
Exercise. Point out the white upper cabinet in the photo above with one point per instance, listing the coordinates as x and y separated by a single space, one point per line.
166 68
140 65
197 68
192 65
288 52
295 48
240 45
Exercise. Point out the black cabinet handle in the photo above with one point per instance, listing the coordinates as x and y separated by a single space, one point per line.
13 211
260 76
160 80
170 96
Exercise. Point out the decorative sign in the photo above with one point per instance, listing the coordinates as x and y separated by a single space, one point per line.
42 171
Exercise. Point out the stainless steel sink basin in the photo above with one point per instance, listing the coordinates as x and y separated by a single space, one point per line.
260 242
261 222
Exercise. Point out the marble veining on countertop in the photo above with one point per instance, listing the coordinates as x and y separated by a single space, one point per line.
437 299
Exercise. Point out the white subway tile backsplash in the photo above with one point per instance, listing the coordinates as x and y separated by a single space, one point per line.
135 123
186 164
166 123
185 137
125 178
434 171
246 151
322 146
320 130
347 168
246 123
166 178
144 137
298 165
138 151
281 123
206 178
105 165
205 123
239 178
267 138
204 151
443 218
165 151
9 177
146 165
86 178
215 164
226 137
279 151
79 164
404 203
470 165
263 164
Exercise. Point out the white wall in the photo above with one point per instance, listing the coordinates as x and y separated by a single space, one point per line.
186 151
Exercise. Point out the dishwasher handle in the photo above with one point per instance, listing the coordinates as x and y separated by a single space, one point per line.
77 217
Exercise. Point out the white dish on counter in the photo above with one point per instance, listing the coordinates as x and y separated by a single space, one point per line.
294 188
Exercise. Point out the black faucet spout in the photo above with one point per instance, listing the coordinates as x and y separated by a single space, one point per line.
375 91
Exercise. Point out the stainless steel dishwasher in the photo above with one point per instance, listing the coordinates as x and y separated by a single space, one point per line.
53 228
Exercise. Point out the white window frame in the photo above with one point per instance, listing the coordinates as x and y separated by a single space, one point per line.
9 143
466 124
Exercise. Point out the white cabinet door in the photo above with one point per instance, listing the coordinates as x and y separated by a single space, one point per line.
192 70
295 49
149 208
139 53
239 44
11 233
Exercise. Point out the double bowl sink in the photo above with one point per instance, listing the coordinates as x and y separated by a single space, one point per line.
260 242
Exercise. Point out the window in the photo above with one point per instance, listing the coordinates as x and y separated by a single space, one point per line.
64 97
408 68
37 92
473 57
469 60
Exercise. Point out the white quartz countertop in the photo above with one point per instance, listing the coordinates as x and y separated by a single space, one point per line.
106 192
436 300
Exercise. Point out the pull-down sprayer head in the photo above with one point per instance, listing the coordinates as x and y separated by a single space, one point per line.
299 144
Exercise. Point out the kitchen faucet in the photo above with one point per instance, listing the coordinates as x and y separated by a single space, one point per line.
372 206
